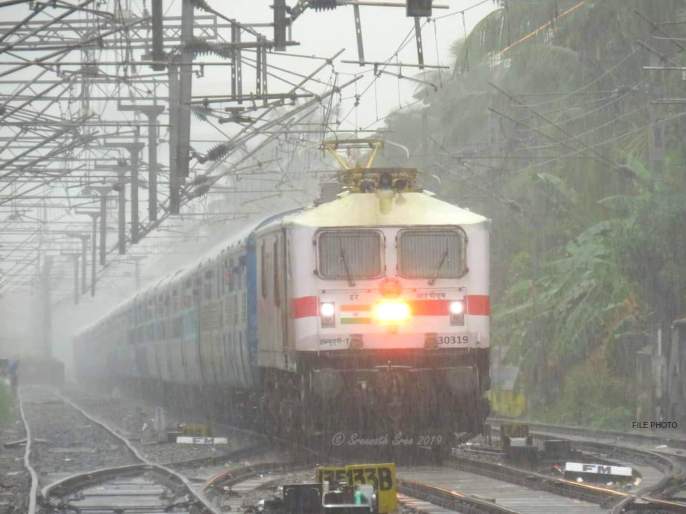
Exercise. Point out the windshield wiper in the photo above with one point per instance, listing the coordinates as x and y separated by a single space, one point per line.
351 282
438 268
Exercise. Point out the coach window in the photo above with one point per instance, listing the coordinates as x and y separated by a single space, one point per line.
188 294
263 269
226 275
208 284
432 253
197 285
277 299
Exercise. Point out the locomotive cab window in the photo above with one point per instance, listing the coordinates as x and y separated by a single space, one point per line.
349 254
432 253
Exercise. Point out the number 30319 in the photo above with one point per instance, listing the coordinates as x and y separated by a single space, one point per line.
453 340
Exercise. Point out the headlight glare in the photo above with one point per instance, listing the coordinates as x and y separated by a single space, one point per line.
327 310
456 307
392 312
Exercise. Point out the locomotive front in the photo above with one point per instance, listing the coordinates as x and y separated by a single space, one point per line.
389 311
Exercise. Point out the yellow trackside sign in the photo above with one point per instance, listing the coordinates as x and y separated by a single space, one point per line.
380 476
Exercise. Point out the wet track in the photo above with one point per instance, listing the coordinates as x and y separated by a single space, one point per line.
68 442
138 492
517 498
91 468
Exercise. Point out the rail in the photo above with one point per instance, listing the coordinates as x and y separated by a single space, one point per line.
33 491
673 471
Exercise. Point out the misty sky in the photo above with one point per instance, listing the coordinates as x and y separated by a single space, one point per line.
384 29
319 33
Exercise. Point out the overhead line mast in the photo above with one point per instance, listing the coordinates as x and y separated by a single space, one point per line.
57 127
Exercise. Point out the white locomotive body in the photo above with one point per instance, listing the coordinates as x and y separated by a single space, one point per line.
396 257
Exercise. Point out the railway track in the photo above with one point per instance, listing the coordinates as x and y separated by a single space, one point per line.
462 485
674 440
235 488
240 488
141 486
665 470
432 490
485 491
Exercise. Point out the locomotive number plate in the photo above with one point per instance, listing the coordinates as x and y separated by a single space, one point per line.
452 340
335 342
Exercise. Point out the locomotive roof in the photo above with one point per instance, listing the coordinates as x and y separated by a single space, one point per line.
364 209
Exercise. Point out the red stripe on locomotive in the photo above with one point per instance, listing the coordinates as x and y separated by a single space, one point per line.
430 307
304 307
477 304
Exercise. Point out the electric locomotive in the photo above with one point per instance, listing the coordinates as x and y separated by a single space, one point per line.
368 314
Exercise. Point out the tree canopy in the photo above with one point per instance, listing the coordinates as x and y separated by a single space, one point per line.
551 126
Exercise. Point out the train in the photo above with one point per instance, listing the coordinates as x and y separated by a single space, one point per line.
366 314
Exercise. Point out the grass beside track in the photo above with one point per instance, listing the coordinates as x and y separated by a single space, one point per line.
6 402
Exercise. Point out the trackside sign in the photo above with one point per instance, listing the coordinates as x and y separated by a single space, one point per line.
202 440
580 468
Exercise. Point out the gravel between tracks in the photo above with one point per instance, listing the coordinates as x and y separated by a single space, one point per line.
65 442
134 420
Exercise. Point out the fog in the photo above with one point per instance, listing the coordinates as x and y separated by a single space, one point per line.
181 241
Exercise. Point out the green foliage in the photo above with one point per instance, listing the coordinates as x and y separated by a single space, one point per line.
592 396
588 233
5 403
558 316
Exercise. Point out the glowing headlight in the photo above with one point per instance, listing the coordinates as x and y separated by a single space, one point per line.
327 310
456 308
391 312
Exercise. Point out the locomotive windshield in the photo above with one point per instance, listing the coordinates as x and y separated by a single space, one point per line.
432 254
349 254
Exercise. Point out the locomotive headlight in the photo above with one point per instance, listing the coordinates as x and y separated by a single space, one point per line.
456 308
327 311
392 312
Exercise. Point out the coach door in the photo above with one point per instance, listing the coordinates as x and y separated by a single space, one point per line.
272 301
281 292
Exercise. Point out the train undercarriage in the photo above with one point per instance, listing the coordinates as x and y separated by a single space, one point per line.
367 399
360 400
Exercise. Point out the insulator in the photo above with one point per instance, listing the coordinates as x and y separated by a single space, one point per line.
202 5
218 151
199 179
200 112
201 47
199 191
322 5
